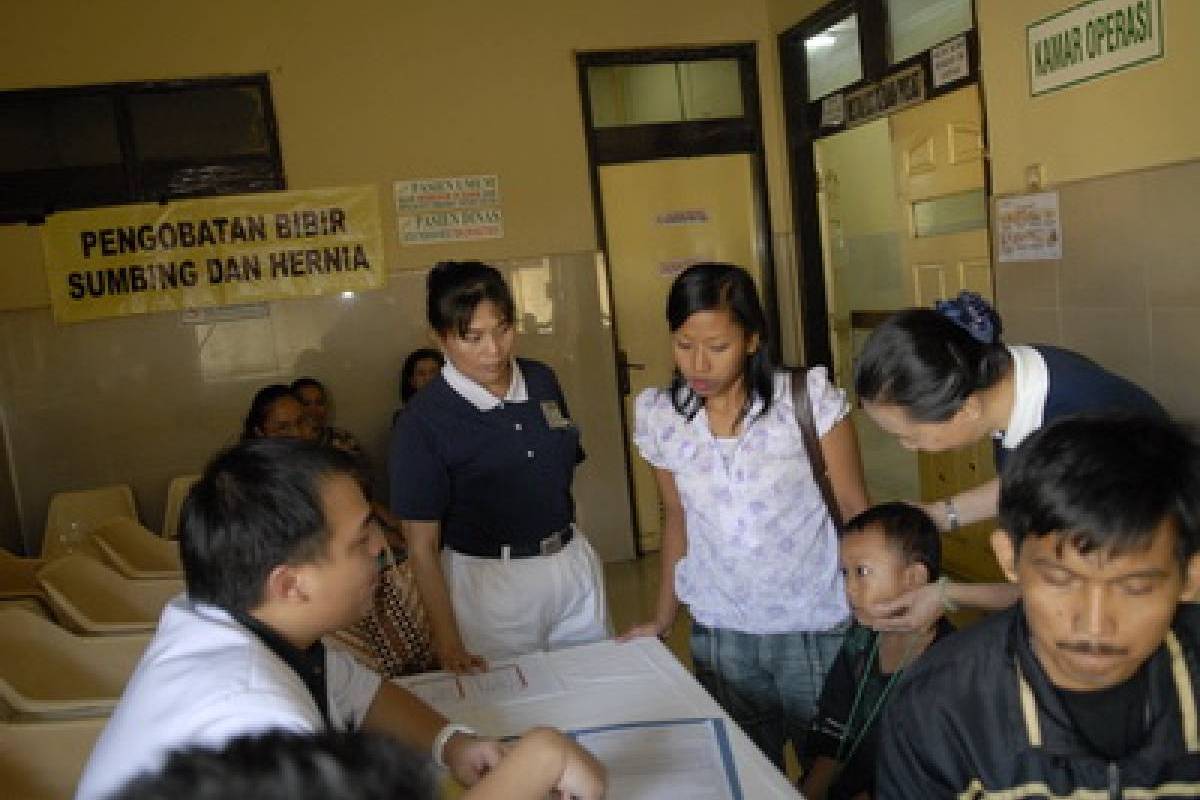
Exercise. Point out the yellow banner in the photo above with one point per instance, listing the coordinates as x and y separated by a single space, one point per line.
140 259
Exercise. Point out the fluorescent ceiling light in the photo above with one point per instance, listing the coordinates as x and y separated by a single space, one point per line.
819 41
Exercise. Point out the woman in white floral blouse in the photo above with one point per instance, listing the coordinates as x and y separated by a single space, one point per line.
748 543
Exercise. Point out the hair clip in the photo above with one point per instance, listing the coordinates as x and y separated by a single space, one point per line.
972 313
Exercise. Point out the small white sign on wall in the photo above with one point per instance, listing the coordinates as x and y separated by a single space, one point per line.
1028 227
462 191
682 216
463 208
1091 40
441 227
949 62
833 110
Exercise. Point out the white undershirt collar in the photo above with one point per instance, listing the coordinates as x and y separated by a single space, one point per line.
478 396
1031 384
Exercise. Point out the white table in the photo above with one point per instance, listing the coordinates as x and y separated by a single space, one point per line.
609 683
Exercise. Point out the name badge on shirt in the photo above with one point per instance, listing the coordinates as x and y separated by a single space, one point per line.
553 415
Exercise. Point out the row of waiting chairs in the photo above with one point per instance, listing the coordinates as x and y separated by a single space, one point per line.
105 579
73 514
59 682
44 760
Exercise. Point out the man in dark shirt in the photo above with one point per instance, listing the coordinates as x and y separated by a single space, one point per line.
1090 684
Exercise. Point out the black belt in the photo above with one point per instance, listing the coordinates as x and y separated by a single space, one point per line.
544 547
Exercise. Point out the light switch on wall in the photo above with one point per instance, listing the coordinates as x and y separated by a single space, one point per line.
1035 177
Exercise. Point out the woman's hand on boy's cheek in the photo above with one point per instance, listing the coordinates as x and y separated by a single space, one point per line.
914 610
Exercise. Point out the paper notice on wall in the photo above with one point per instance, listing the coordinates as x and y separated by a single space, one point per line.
464 208
833 110
1028 227
682 216
463 191
949 61
440 227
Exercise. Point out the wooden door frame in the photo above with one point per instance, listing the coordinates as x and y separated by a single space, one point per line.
802 116
657 141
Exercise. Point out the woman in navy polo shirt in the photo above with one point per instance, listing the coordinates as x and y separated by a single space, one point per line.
482 460
939 379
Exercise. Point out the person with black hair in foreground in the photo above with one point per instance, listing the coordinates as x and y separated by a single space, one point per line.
887 549
341 765
1089 686
279 548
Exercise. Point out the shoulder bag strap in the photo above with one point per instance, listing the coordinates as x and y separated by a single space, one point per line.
812 444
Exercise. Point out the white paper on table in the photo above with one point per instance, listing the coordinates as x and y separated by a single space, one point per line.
526 678
666 759
581 666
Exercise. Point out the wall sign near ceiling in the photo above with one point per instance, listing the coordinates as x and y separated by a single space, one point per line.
901 90
1091 40
833 110
949 61
217 251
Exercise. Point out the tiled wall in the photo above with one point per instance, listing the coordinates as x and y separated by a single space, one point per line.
141 399
1127 290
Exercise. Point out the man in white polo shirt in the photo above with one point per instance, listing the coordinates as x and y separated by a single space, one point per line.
279 548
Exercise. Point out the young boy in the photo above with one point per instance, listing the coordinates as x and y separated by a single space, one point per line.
885 551
1088 687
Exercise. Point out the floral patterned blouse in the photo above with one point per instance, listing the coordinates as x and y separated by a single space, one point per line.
762 551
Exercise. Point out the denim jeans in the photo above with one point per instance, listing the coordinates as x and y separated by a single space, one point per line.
768 682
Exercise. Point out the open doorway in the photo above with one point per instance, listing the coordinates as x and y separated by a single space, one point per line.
890 191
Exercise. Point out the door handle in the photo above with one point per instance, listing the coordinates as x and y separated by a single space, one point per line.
623 367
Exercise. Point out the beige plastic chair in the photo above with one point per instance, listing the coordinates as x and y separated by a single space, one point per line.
30 604
176 492
18 576
45 760
72 516
48 673
90 598
136 552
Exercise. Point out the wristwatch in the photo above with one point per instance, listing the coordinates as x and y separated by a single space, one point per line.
439 741
951 513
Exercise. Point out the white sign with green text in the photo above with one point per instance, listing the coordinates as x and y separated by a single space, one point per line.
1090 40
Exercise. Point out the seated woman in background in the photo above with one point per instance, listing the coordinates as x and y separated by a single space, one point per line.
420 367
275 412
315 399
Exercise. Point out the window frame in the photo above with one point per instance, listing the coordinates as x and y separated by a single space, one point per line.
133 166
802 116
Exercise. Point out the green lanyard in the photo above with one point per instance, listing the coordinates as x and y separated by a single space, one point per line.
843 758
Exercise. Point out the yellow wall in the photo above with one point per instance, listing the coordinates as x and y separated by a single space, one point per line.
374 90
1142 117
365 92
1123 151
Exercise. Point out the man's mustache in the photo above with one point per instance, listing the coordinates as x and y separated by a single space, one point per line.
1085 648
